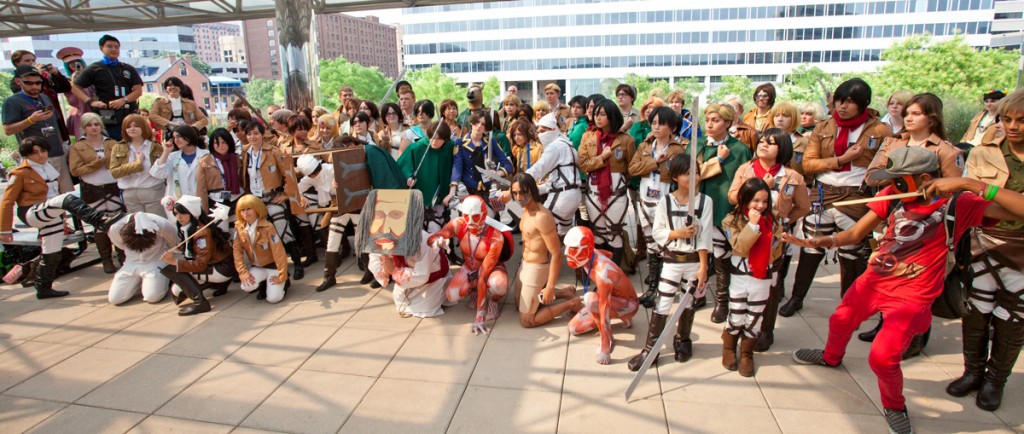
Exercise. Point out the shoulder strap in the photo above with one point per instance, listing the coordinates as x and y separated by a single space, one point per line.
700 205
949 225
668 211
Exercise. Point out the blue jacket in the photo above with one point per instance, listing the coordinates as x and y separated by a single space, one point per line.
468 156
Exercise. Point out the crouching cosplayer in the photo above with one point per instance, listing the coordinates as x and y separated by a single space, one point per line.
391 233
256 239
143 237
207 261
613 295
33 189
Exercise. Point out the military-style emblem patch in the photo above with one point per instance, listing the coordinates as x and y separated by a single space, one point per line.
960 160
788 190
873 143
274 239
201 243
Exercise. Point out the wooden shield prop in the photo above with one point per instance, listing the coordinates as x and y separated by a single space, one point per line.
353 179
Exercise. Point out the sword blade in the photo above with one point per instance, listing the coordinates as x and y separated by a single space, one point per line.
669 330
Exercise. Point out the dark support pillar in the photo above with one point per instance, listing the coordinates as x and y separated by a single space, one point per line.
300 66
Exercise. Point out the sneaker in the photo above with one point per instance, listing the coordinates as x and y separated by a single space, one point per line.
899 421
807 356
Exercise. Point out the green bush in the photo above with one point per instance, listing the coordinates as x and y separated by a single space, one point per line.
957 115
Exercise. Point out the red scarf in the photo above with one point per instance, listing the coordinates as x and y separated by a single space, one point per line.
843 136
760 171
603 177
230 163
761 252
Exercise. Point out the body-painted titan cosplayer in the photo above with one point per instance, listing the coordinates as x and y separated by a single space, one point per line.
612 294
481 245
390 232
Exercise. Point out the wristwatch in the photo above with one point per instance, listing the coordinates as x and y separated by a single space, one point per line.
126 100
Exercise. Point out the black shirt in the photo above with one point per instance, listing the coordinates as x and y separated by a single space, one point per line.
110 82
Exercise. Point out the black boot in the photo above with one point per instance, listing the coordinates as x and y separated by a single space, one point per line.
330 269
617 253
783 272
722 280
46 273
653 280
655 329
367 275
849 271
220 289
681 342
869 336
293 250
766 338
346 249
975 331
453 258
307 242
916 345
106 251
805 269
261 291
1006 345
99 220
190 287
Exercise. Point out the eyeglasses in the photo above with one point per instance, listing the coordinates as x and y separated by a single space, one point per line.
32 83
622 94
762 96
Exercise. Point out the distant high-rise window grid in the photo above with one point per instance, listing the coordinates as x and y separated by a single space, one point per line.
725 36
827 56
739 13
932 5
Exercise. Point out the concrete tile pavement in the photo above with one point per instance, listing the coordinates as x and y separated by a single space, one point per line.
344 361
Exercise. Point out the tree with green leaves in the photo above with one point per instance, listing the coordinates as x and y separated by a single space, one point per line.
803 84
690 85
644 86
430 83
950 68
366 82
262 93
735 85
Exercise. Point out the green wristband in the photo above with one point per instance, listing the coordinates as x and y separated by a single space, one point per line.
990 192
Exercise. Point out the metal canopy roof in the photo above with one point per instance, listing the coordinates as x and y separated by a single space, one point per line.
48 17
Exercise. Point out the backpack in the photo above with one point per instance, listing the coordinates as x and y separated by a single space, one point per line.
952 302
506 249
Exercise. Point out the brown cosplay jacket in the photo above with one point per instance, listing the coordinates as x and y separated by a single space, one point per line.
820 153
265 251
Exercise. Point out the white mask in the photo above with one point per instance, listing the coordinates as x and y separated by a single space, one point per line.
546 138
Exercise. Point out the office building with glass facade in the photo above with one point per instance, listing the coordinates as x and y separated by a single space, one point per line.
577 43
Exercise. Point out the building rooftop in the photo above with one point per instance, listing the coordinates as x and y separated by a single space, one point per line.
344 361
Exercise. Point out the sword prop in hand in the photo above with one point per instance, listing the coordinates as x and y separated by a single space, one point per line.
669 330
693 167
219 213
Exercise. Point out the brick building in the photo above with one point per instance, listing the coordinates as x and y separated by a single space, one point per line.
360 40
208 40
155 71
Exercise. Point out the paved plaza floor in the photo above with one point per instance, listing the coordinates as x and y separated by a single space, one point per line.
344 361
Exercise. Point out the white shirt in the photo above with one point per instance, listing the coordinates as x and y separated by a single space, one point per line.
140 179
167 237
180 176
49 175
651 187
255 178
557 163
101 176
661 228
850 178
322 183
176 113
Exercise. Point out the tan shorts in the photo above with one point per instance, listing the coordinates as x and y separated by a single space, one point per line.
532 278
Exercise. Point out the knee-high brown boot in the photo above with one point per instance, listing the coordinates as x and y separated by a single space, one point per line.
655 329
106 251
729 350
722 281
746 364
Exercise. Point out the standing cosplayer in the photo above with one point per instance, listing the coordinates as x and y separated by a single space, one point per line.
906 275
33 189
390 231
684 241
613 295
427 165
838 155
559 174
650 163
207 261
604 154
485 248
997 300
143 237
720 156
